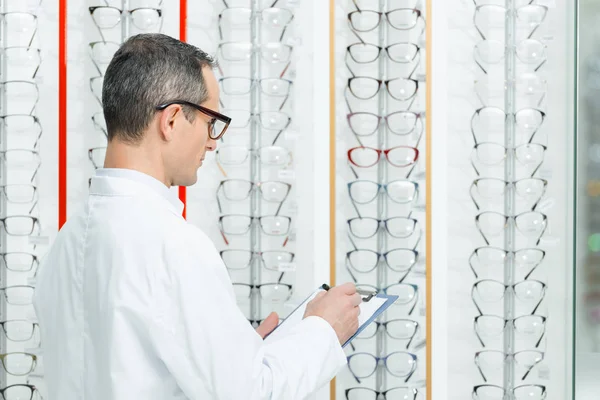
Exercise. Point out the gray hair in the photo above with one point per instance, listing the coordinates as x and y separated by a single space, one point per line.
147 70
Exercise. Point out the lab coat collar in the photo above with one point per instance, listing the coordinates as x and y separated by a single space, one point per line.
119 181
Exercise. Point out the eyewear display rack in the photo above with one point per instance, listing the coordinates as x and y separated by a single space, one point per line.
20 132
250 75
107 16
508 298
385 193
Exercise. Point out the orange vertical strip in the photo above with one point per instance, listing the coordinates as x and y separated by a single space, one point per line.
183 38
332 159
62 113
428 211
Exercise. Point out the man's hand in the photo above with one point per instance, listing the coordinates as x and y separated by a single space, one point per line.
268 325
340 307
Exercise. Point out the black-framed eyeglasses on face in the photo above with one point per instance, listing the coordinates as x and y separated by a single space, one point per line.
217 126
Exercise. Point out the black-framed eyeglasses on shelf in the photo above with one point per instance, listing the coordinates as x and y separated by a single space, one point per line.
19 330
522 392
396 227
218 124
397 393
19 391
363 20
17 261
400 364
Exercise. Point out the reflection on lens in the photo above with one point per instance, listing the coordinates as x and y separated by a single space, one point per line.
273 260
274 155
275 225
274 120
106 17
146 19
402 156
531 51
275 86
530 392
401 364
276 17
531 223
403 52
275 293
530 154
530 290
274 191
402 89
276 52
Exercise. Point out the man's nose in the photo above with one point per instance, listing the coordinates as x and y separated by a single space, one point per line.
211 145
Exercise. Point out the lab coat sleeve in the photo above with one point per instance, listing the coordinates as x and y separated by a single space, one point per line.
207 344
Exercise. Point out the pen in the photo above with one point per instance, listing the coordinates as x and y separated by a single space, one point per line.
368 295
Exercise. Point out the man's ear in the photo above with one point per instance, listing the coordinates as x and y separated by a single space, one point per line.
168 120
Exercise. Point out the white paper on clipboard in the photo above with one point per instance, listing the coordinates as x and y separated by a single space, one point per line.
367 310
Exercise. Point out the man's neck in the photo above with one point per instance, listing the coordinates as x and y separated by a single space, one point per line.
135 157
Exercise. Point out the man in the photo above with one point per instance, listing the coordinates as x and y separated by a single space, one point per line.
134 302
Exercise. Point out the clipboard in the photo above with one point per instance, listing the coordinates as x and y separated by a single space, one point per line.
372 306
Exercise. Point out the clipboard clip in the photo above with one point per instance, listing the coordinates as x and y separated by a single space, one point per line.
365 294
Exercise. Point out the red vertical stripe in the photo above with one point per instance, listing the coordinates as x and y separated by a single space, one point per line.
183 38
62 113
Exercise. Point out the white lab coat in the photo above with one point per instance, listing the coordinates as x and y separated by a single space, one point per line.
135 303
